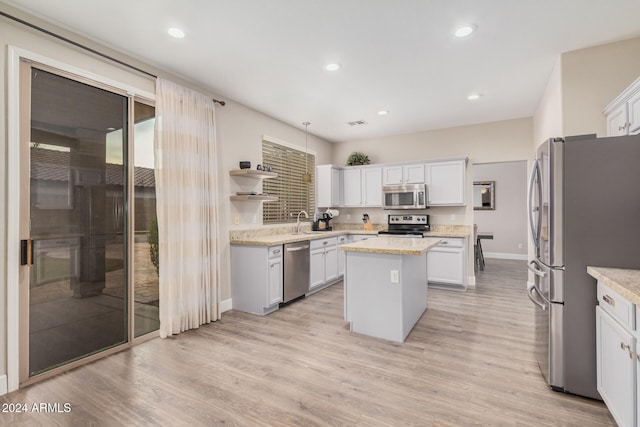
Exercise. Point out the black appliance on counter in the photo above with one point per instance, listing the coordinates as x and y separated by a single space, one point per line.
321 222
406 225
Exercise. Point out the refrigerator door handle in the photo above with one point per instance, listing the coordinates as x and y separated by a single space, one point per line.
530 289
535 270
535 231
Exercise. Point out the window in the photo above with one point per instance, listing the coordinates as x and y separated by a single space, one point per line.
293 194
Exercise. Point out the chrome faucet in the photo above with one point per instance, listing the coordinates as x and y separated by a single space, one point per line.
306 215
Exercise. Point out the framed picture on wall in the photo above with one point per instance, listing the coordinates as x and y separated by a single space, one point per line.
484 195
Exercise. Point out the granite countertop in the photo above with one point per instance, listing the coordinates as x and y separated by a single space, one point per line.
392 245
624 281
280 239
436 233
280 236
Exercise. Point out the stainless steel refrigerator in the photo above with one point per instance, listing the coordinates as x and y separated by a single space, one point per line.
584 209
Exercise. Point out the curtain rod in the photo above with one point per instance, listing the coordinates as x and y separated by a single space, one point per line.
81 46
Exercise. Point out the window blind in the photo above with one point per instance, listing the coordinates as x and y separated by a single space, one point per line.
293 194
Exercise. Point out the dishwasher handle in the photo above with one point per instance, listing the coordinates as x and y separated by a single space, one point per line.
297 248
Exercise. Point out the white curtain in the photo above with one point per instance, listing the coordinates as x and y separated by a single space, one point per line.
186 192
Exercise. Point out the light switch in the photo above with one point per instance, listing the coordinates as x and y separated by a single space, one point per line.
395 276
236 220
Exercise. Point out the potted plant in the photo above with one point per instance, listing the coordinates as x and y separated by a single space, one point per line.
357 158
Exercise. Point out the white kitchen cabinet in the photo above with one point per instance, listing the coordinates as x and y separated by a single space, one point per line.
328 186
274 295
446 263
446 182
323 268
352 187
316 268
358 237
371 187
341 241
256 278
617 380
403 174
623 113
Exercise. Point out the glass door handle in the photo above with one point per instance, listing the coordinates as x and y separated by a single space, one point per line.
26 252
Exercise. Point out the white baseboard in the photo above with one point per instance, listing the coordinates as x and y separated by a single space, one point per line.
3 385
498 255
226 305
471 282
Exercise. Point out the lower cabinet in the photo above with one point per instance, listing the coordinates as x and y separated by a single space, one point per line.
256 278
446 263
323 268
341 255
616 353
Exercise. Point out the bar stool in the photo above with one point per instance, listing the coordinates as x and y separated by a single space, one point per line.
476 242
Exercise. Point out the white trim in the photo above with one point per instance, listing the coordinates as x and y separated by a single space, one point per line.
36 57
286 144
14 54
471 282
226 305
13 217
498 255
3 385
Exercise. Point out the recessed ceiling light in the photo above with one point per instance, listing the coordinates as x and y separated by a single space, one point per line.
474 96
176 33
383 112
332 67
465 31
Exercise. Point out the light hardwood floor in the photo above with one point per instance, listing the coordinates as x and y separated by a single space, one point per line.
468 362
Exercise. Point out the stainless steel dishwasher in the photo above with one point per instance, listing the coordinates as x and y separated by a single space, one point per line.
296 270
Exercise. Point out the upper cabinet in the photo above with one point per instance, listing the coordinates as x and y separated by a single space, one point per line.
352 187
403 174
329 191
623 114
372 187
446 182
361 186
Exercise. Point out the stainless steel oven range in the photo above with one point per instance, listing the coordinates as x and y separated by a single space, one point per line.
406 225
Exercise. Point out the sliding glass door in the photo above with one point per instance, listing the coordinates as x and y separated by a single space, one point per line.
75 220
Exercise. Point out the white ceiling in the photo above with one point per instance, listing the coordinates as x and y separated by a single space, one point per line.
397 55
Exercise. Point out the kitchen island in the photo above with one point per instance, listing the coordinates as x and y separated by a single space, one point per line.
385 285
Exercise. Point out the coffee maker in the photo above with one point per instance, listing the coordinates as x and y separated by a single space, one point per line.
321 221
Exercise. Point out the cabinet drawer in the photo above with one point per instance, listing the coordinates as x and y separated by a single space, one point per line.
447 242
275 251
323 243
619 307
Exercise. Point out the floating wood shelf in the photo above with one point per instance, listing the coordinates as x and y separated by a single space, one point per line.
253 173
256 197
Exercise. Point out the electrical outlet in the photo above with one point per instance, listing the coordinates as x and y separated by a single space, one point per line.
520 245
236 220
395 276
452 217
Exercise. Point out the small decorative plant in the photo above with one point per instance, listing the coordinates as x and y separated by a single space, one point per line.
357 158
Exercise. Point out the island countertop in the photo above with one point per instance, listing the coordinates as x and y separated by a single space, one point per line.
392 245
624 281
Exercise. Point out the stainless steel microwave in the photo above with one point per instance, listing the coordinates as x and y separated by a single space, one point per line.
411 196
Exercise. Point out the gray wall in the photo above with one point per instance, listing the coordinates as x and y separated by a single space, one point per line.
508 221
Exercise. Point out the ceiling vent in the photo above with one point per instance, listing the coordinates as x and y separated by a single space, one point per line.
357 123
